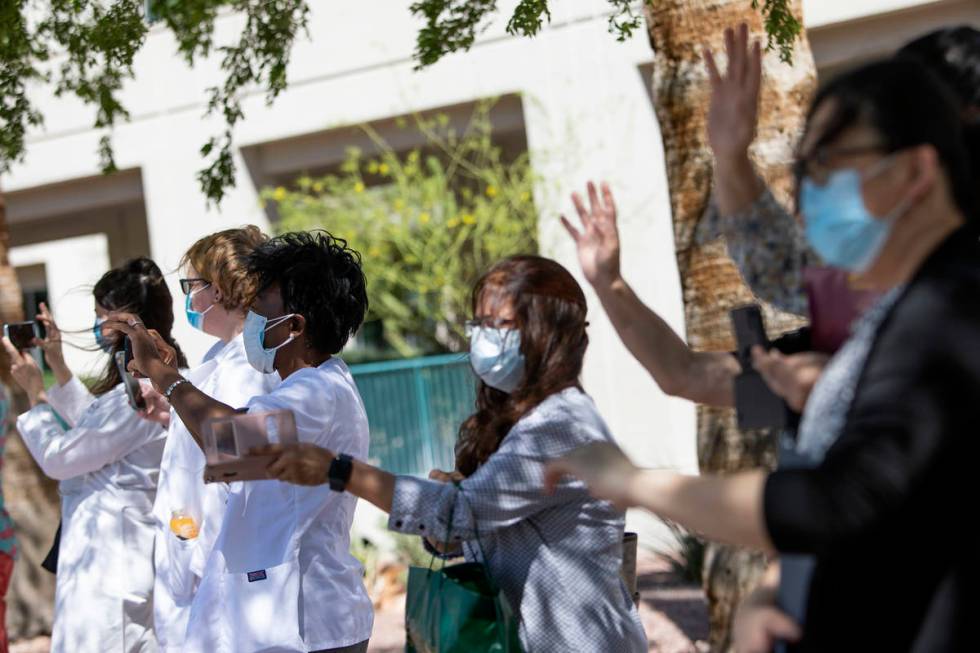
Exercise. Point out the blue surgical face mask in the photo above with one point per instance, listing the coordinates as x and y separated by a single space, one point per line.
262 359
104 343
839 226
496 357
196 318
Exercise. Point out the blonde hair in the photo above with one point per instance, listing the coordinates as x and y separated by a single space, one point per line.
220 258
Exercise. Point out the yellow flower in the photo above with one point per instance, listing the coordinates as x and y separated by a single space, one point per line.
399 204
373 167
469 218
358 187
452 223
279 194
525 196
424 218
491 191
383 168
317 187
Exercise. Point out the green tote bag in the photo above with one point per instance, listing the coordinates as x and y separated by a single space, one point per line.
458 609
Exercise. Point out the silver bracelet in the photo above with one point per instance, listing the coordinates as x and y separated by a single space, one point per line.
170 389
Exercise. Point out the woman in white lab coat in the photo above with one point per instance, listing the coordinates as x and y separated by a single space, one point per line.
107 459
280 576
217 290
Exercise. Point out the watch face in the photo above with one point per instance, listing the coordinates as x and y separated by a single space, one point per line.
339 473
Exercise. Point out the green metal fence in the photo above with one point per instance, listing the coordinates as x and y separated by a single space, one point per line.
415 408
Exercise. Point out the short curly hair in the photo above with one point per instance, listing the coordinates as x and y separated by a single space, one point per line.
220 258
320 278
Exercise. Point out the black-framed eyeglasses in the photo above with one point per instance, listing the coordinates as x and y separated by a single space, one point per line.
187 285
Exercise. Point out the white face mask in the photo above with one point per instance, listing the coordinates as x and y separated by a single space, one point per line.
262 359
496 357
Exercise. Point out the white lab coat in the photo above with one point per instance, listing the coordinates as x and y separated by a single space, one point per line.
107 462
281 577
227 376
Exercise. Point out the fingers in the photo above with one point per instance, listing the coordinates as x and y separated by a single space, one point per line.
119 326
15 355
730 52
572 231
583 213
753 74
609 204
593 198
712 66
742 50
267 450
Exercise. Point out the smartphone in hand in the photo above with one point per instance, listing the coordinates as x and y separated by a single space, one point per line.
22 334
133 392
756 405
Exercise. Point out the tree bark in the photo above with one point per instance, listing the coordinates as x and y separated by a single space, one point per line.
711 284
30 497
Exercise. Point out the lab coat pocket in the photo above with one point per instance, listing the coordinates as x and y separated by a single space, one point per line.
264 608
180 580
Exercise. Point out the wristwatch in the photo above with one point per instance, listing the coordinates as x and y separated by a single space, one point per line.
339 473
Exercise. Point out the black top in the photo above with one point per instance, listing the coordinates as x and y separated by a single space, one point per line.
890 511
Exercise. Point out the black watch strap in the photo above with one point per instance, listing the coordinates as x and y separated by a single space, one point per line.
339 473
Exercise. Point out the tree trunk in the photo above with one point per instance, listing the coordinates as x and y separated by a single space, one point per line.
710 282
29 496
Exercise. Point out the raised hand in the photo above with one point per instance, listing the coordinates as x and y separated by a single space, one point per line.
26 373
51 343
598 241
734 108
149 348
602 466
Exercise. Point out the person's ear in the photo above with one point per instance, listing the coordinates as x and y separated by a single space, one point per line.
297 325
923 172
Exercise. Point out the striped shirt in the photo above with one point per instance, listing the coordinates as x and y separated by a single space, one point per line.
556 557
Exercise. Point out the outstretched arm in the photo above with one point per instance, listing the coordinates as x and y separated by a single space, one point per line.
703 377
726 509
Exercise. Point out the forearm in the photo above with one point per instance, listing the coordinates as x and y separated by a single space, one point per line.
723 508
60 370
372 484
701 377
737 185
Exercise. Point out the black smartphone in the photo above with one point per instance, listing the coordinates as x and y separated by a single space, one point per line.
22 334
130 384
756 405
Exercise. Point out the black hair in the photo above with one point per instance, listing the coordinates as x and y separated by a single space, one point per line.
137 286
907 106
320 278
953 55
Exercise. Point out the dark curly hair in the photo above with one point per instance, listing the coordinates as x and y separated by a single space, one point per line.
137 286
320 278
550 312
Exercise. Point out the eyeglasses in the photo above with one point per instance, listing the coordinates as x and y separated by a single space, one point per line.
488 323
187 285
818 164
